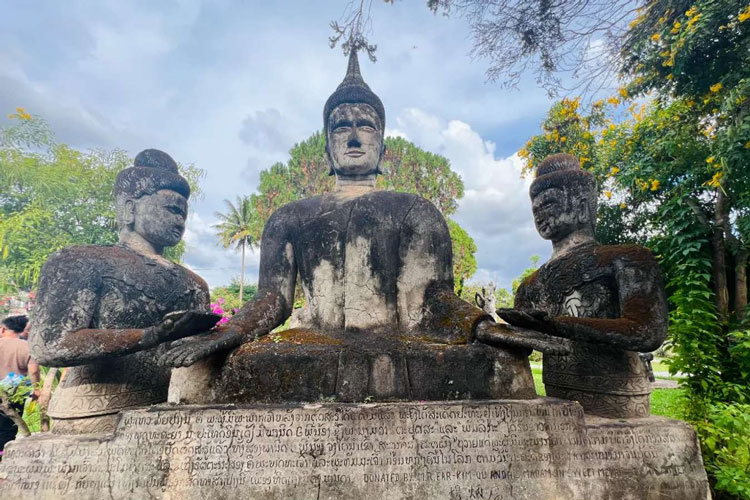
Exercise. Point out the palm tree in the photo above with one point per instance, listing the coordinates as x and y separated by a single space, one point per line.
235 229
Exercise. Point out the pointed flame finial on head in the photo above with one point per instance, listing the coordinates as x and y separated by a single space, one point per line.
353 90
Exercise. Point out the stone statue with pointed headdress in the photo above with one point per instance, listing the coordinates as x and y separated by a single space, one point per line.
103 310
381 319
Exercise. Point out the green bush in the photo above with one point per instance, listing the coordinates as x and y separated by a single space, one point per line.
725 436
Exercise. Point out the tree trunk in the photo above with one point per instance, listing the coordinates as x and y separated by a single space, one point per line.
242 276
740 282
44 397
719 261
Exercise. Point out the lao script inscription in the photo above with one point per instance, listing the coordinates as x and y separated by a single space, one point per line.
456 451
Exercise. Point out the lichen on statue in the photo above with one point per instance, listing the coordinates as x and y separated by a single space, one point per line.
103 310
609 299
376 270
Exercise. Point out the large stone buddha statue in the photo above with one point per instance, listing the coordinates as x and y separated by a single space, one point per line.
381 320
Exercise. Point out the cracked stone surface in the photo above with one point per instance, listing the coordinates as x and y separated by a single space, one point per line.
524 450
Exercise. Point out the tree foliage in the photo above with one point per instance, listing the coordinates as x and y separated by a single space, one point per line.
406 168
53 196
580 38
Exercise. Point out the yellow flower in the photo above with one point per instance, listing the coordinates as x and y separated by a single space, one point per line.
608 194
563 139
710 160
655 185
599 103
623 92
655 37
716 87
676 27
670 76
745 14
715 180
614 170
691 12
693 20
747 145
623 205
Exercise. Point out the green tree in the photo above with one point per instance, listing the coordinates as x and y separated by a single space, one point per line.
235 229
406 168
53 196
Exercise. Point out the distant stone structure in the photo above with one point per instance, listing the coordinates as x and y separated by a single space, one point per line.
381 320
100 310
487 301
609 299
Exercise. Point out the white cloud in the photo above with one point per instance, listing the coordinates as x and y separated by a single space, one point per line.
495 210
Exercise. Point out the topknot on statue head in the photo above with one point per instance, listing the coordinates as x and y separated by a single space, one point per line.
563 171
152 170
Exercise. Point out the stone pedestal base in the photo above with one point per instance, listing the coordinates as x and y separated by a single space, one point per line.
512 450
304 366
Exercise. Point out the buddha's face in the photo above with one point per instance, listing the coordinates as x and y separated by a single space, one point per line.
355 139
555 217
160 217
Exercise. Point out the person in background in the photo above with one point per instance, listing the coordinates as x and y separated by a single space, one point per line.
14 358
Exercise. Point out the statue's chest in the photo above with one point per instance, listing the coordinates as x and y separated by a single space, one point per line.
349 266
353 240
139 292
576 287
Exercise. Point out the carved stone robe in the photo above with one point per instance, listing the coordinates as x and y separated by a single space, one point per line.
597 282
93 287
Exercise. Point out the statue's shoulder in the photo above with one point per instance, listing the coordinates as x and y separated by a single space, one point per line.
299 208
406 203
624 255
82 255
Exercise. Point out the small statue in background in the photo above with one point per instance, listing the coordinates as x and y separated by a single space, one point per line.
608 299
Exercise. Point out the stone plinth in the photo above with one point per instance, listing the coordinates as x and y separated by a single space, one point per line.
299 365
535 450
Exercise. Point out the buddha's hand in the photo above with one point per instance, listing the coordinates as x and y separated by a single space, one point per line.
177 325
489 332
188 351
533 319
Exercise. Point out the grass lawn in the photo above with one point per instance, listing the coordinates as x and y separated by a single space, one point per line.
664 402
668 403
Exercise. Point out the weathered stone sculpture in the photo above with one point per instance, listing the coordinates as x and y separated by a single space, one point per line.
101 310
609 299
382 321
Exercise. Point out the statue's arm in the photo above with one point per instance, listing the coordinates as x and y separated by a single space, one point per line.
67 298
269 308
643 305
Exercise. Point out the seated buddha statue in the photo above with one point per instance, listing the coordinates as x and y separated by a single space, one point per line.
381 319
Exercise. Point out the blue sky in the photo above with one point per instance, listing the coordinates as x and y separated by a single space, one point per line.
231 85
